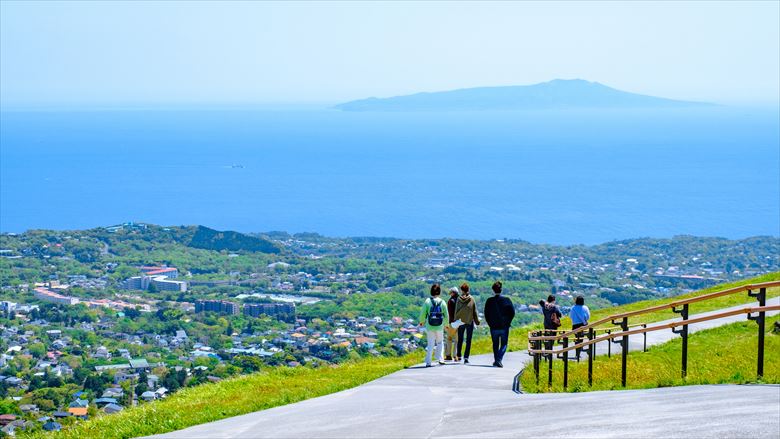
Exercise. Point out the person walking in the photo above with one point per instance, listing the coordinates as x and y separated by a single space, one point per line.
466 312
433 316
552 318
450 333
579 314
499 313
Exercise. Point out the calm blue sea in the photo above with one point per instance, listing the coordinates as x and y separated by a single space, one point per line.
548 177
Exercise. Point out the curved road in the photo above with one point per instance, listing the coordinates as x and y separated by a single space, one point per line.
476 400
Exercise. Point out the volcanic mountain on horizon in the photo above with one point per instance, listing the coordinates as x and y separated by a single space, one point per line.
555 94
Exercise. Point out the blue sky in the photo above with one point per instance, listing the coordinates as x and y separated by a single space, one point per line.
115 53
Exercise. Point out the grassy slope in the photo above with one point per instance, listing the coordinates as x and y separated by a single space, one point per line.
721 355
281 386
249 393
721 302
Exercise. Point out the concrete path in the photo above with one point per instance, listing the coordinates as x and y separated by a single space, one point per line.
476 400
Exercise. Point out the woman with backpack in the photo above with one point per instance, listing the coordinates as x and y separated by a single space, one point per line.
434 315
552 318
466 312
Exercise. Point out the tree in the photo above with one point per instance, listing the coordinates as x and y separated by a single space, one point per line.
127 395
79 375
37 350
9 406
53 380
141 387
170 381
95 383
247 363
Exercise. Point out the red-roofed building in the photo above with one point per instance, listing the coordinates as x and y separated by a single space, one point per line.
171 272
50 296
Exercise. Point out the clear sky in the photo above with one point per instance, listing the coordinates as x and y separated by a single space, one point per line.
151 52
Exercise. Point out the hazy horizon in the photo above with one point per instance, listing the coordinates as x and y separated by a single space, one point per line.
250 53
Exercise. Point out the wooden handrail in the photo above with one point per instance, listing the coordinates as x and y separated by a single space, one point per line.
670 325
665 306
577 331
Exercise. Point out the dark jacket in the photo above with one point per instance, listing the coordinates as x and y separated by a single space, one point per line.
451 307
548 309
499 312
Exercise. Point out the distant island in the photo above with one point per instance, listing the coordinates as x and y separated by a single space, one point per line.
555 94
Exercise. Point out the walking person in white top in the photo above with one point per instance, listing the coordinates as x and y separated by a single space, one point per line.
434 316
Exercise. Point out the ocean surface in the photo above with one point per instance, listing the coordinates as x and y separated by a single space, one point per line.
559 177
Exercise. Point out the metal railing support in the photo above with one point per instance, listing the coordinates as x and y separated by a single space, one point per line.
761 320
591 354
644 342
609 345
565 363
537 357
623 349
549 369
684 334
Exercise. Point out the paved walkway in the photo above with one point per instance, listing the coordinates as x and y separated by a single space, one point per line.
476 400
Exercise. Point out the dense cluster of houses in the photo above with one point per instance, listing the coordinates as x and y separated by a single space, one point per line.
690 271
312 344
56 347
361 332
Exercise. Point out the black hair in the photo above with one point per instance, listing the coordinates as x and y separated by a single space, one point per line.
551 298
579 300
435 290
497 287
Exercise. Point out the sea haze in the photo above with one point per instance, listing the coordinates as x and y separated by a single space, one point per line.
553 176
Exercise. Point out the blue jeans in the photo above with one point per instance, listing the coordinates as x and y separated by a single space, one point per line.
500 341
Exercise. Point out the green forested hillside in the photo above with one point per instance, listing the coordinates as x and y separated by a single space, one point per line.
211 239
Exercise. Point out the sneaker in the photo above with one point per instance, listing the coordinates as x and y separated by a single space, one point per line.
427 365
499 364
448 358
495 364
442 363
465 361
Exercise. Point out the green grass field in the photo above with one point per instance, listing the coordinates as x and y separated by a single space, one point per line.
232 397
721 355
280 386
721 302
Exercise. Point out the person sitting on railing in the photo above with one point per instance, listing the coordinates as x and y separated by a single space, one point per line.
552 318
579 314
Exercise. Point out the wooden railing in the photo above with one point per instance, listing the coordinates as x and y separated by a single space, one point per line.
585 337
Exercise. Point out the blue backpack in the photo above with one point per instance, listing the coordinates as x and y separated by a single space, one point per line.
435 316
